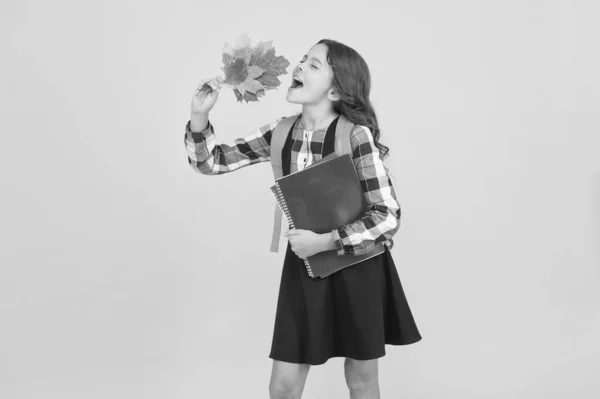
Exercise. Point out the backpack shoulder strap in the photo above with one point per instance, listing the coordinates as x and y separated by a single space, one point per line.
343 131
278 138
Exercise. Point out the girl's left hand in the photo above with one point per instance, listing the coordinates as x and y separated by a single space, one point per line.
304 243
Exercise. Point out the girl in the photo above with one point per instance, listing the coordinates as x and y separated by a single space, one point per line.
356 311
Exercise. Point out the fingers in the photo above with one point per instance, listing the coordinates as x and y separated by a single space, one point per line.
292 232
210 83
215 84
200 87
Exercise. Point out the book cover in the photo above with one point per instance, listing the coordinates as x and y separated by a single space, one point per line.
321 198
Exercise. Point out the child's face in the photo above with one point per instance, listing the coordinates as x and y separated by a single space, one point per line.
316 76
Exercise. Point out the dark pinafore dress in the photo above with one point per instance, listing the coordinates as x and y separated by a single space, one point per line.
352 313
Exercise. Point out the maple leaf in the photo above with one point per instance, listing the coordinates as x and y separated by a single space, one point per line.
237 95
243 41
262 47
226 58
249 85
269 79
255 71
249 71
250 97
236 72
269 62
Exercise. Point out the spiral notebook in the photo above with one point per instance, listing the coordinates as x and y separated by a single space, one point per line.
321 198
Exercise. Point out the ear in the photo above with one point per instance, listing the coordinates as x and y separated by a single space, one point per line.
333 95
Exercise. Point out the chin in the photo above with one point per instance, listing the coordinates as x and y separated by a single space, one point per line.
287 97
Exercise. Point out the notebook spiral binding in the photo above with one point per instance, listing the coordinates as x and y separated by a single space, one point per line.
281 201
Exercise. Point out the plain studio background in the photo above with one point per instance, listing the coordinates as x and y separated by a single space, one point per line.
125 274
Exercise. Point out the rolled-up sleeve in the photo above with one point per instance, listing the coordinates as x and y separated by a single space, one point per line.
382 219
209 158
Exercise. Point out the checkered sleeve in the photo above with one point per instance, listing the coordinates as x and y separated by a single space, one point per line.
209 158
382 219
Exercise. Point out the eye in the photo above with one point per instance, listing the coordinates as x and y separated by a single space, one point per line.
304 60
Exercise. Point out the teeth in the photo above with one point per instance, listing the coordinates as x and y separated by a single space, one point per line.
296 83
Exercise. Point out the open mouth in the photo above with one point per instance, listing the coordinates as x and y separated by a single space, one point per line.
296 83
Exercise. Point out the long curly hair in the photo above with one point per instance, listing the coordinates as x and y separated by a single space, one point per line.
352 80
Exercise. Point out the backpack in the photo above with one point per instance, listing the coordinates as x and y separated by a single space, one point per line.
278 138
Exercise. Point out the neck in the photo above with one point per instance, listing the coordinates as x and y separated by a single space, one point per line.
317 118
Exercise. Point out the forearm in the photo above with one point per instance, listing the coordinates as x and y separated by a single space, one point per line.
198 122
210 158
379 224
326 242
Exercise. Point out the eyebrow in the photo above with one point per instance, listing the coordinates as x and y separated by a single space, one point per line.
314 58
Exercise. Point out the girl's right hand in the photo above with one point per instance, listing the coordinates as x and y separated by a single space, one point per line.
204 100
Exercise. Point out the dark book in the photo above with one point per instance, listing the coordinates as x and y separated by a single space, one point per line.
323 197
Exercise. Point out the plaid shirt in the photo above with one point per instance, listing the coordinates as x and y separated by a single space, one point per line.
380 222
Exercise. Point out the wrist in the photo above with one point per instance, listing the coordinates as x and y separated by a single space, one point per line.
327 242
199 115
198 122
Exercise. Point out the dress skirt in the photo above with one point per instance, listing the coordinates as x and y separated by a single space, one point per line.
352 313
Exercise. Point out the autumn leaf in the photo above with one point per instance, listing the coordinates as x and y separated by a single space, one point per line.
269 62
236 72
252 70
227 58
250 97
237 95
243 41
262 47
255 71
269 79
249 85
